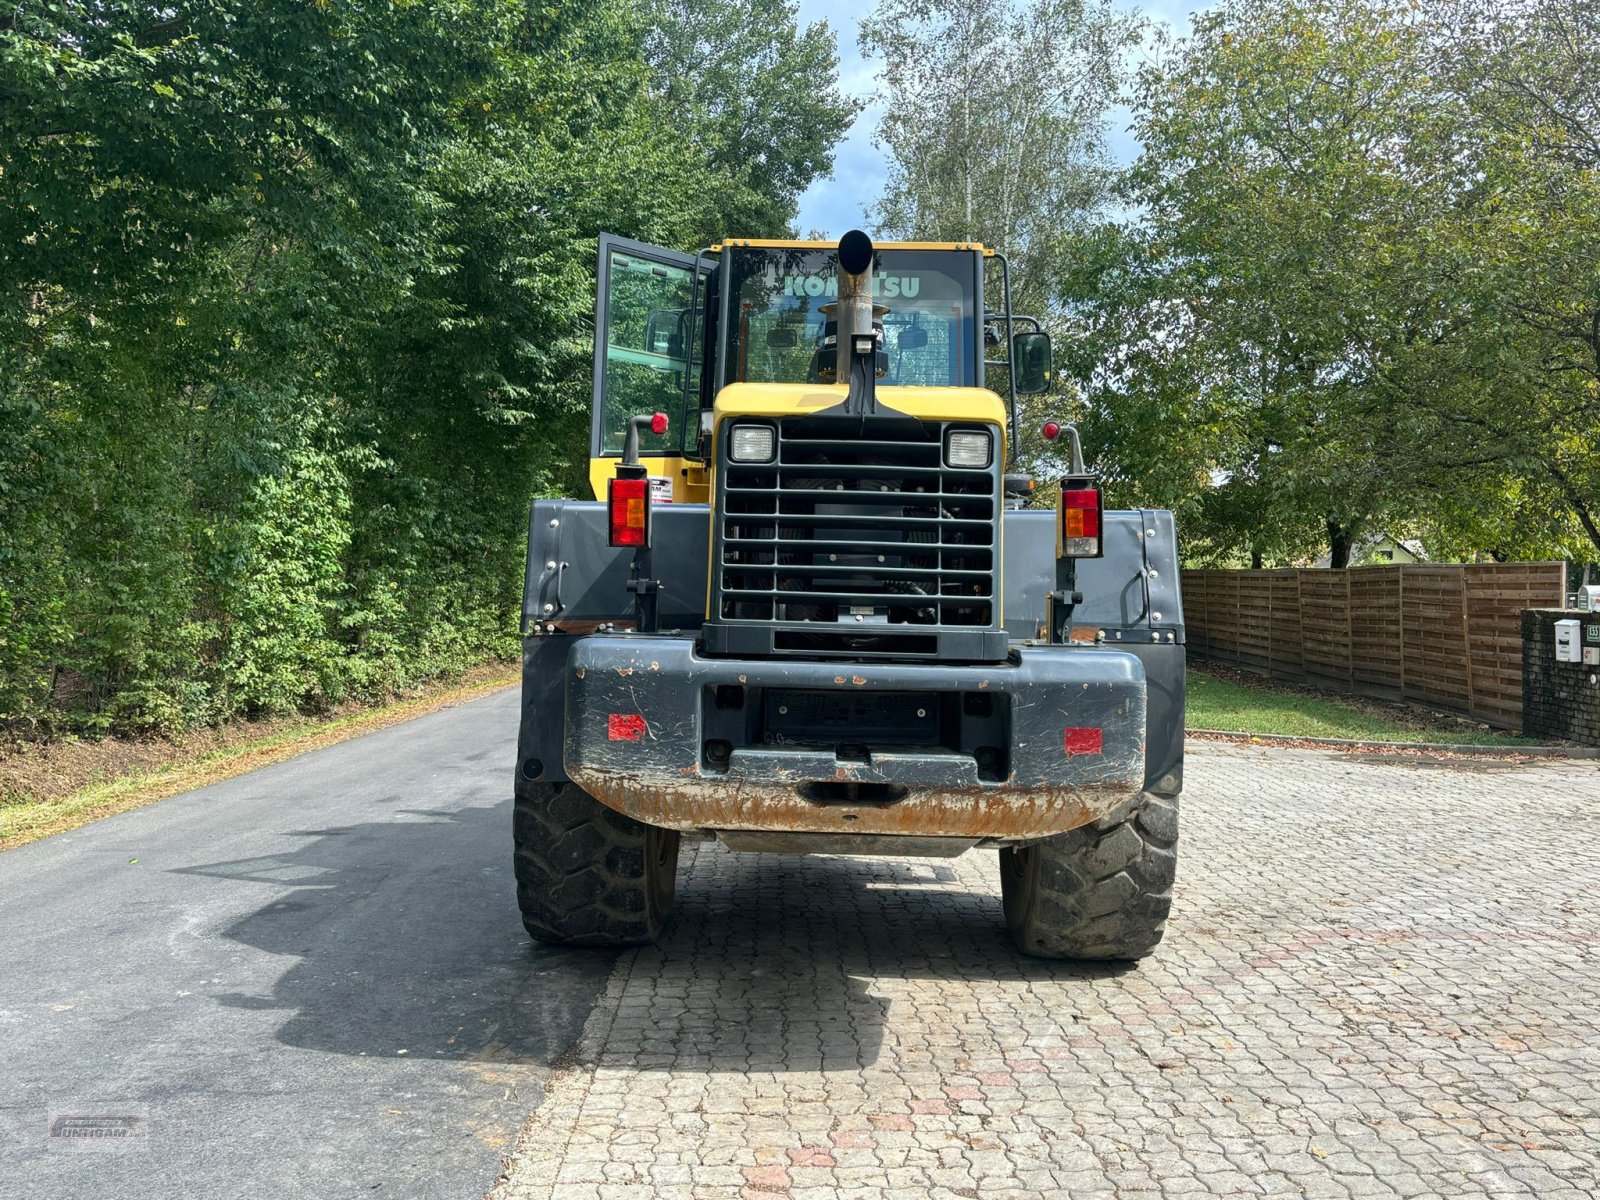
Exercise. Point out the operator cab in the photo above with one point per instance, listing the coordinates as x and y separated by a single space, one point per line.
672 330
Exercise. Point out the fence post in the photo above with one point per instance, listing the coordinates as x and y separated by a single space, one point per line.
1271 624
1400 630
1349 636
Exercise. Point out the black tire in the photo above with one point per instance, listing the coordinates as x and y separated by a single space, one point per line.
1099 892
587 875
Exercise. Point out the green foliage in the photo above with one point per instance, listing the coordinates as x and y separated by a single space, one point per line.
1361 291
294 322
761 96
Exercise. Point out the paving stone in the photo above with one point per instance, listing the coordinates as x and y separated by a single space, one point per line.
1380 980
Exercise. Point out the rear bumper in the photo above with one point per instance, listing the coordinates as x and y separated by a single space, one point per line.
1012 751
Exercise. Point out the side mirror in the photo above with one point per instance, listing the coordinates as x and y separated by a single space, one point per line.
664 332
782 337
912 337
1030 363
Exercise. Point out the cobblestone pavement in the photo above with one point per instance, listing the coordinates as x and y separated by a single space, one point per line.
1380 980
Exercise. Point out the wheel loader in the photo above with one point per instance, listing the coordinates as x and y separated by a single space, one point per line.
813 608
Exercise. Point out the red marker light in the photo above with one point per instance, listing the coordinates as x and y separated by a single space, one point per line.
658 423
629 504
1082 740
625 727
1051 430
1078 517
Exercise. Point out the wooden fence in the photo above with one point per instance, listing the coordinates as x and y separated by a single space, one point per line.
1446 636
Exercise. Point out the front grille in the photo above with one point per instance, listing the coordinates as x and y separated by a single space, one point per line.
857 540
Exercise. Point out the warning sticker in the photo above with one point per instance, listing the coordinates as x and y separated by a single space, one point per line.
660 489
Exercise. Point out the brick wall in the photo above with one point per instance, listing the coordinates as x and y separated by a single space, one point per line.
1560 700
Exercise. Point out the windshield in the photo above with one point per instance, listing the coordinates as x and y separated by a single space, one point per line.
781 299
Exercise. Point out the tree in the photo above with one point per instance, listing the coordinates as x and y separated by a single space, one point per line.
1529 76
759 97
994 124
1304 315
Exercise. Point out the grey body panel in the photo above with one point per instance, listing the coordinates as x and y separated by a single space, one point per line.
640 708
574 574
544 689
1123 592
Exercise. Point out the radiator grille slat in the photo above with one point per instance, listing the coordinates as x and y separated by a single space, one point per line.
856 527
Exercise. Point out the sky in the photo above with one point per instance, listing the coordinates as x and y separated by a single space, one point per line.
836 205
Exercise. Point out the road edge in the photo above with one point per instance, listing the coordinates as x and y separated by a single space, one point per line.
1487 750
139 788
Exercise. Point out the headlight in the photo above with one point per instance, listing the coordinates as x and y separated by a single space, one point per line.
752 443
968 448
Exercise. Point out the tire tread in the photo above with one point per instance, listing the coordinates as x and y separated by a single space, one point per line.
583 872
1100 892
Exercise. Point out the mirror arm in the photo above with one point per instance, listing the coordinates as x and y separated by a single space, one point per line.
1011 374
688 353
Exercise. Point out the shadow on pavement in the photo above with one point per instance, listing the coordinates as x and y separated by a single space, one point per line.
403 937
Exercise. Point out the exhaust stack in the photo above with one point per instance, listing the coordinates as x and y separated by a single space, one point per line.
855 287
854 320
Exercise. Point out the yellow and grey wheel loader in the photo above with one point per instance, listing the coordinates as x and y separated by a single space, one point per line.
808 610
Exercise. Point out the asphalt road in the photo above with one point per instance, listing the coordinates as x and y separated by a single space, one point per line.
309 980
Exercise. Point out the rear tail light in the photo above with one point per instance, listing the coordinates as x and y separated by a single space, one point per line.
1079 522
628 501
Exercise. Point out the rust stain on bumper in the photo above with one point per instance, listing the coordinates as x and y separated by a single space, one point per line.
1000 812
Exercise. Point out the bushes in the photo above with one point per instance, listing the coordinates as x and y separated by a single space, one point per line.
293 325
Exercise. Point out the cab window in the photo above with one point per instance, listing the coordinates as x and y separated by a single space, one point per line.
643 346
781 301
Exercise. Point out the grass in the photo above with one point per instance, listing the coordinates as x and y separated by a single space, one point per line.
29 820
1228 702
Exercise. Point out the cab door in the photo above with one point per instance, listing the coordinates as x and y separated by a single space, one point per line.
647 355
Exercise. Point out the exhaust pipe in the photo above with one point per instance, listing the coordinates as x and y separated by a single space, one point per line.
855 287
853 319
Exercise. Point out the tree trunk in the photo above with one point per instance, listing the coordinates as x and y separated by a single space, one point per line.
1341 540
1580 508
1255 559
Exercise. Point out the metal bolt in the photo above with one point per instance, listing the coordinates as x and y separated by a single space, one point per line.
880 558
922 712
551 565
783 710
1151 532
833 558
1155 635
1155 616
858 620
1153 574
554 524
549 608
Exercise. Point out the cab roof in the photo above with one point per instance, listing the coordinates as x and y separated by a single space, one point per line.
784 244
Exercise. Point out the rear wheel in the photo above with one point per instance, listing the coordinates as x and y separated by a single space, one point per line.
587 875
1099 892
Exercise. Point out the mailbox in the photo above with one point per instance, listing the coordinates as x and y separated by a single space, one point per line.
1569 640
